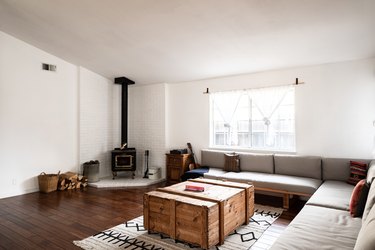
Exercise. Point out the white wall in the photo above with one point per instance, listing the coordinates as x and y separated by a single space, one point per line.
51 121
100 106
335 108
147 124
38 116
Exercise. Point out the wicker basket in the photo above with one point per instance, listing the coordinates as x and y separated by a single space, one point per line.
48 182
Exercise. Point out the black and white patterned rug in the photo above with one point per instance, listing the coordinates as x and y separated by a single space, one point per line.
132 235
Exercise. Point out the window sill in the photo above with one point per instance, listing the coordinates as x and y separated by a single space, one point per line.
249 150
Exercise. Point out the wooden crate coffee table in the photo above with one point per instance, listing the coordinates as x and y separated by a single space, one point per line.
235 203
183 218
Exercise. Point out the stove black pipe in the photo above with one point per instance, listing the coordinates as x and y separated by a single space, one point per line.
124 106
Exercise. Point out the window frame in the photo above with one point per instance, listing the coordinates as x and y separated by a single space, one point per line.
250 133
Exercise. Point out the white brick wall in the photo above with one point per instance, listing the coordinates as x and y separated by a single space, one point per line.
99 119
147 124
100 123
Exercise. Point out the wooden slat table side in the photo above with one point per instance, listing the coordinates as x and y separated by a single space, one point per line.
222 194
183 218
248 187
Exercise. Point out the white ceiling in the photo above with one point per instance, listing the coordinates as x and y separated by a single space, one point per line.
153 41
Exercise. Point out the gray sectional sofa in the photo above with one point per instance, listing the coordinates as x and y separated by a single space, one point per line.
325 221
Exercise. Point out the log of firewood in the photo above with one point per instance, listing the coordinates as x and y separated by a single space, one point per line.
71 180
71 185
62 183
70 176
84 181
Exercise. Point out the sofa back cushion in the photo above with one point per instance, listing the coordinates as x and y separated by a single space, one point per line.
335 169
338 169
366 239
262 163
213 158
371 171
303 166
370 202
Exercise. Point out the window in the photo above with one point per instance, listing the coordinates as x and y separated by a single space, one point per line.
261 119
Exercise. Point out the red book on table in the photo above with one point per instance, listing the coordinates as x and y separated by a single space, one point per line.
194 188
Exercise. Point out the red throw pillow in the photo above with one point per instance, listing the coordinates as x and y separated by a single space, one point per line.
354 199
358 171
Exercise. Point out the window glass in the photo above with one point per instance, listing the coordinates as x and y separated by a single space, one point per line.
261 119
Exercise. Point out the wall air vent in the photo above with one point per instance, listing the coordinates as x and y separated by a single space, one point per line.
49 67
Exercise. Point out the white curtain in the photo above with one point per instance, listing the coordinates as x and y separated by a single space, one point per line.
267 101
264 104
226 104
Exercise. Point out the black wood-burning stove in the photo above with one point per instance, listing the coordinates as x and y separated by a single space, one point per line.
124 158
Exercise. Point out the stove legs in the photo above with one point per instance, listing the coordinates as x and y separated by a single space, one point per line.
114 174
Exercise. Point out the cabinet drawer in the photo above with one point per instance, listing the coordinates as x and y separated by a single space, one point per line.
176 165
177 161
174 173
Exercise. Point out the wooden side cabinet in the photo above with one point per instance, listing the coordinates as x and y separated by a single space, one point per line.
177 165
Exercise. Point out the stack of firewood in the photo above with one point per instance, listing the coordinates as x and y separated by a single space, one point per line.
70 180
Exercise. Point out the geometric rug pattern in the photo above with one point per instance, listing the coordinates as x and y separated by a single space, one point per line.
132 235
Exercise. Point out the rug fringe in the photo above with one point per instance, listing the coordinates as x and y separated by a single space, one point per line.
81 244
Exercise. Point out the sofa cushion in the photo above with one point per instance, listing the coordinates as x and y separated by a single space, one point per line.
262 163
304 166
337 168
275 181
358 171
212 158
194 173
332 194
214 173
358 199
370 201
366 239
371 171
318 227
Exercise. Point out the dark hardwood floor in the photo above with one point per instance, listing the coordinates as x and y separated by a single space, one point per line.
54 220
